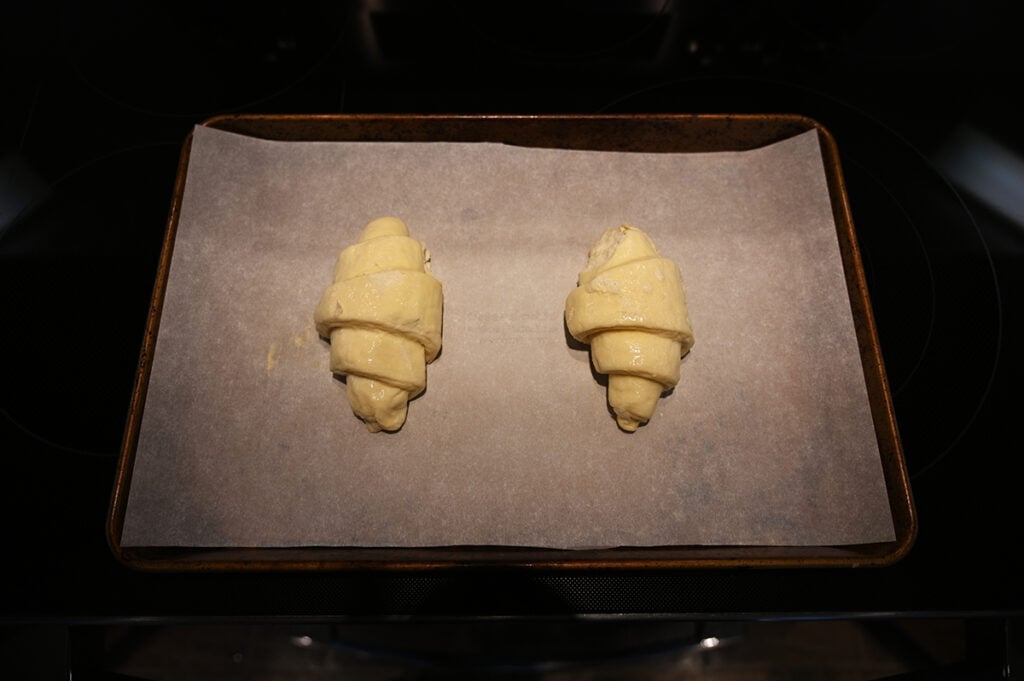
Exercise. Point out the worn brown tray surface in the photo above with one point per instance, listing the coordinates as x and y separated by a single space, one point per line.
643 133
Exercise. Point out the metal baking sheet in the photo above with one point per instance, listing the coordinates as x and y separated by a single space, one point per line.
777 446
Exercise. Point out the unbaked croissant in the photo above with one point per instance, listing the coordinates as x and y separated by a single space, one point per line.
382 315
630 307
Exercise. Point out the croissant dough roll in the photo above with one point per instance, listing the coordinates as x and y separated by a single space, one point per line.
630 307
382 315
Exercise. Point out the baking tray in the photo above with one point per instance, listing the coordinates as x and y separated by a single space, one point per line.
638 133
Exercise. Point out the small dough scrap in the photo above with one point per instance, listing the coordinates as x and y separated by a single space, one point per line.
383 316
630 307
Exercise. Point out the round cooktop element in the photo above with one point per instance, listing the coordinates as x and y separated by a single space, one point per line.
930 276
197 58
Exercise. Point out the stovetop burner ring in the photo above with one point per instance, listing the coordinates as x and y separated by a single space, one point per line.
930 273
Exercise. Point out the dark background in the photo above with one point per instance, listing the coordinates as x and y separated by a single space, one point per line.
97 99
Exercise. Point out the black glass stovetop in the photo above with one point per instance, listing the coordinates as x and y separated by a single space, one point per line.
98 100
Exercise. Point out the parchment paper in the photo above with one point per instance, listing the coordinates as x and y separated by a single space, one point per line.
248 440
